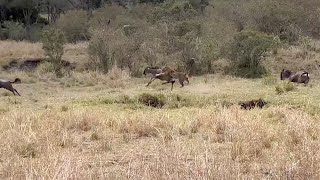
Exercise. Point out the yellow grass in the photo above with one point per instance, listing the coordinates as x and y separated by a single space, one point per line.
54 132
24 50
91 126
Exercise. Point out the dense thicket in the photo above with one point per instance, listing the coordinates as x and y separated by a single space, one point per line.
135 33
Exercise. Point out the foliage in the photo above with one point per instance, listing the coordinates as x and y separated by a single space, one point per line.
284 87
13 30
245 53
280 18
53 43
74 24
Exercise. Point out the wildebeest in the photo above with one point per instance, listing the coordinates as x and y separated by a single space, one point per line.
298 77
8 85
152 70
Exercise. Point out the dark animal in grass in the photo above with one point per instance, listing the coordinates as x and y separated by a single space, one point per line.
8 85
252 104
297 77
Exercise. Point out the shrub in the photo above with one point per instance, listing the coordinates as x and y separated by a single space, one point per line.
13 30
53 43
245 53
100 52
110 48
75 25
284 87
151 100
279 18
35 32
269 80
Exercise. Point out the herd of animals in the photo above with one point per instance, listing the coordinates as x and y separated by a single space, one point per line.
170 75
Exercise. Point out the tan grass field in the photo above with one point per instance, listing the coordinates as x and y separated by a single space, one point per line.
91 126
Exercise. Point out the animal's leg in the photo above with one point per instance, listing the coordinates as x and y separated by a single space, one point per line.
172 82
166 82
13 92
181 82
151 80
16 92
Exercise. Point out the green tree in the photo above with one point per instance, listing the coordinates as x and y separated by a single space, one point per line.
53 43
245 53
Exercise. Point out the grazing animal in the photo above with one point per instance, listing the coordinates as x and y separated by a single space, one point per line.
8 85
252 104
163 77
298 77
177 75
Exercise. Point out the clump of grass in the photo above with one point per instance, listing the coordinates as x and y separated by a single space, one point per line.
64 108
26 150
7 93
269 80
226 104
285 87
125 99
143 129
94 136
156 101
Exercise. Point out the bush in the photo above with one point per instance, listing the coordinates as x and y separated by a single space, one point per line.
152 100
13 30
53 43
245 53
75 25
280 18
35 32
285 87
110 48
100 52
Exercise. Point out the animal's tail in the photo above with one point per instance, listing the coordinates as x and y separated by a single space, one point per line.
17 80
305 74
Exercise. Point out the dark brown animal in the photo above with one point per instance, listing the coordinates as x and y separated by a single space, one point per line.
8 85
252 104
297 77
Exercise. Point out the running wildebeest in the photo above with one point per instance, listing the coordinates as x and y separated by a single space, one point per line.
8 85
297 77
152 70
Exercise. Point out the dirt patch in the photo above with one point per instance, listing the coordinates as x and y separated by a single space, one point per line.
31 64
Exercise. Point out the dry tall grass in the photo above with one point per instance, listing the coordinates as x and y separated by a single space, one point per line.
59 132
24 50
91 125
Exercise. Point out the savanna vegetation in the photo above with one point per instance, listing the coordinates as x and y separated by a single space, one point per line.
85 112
